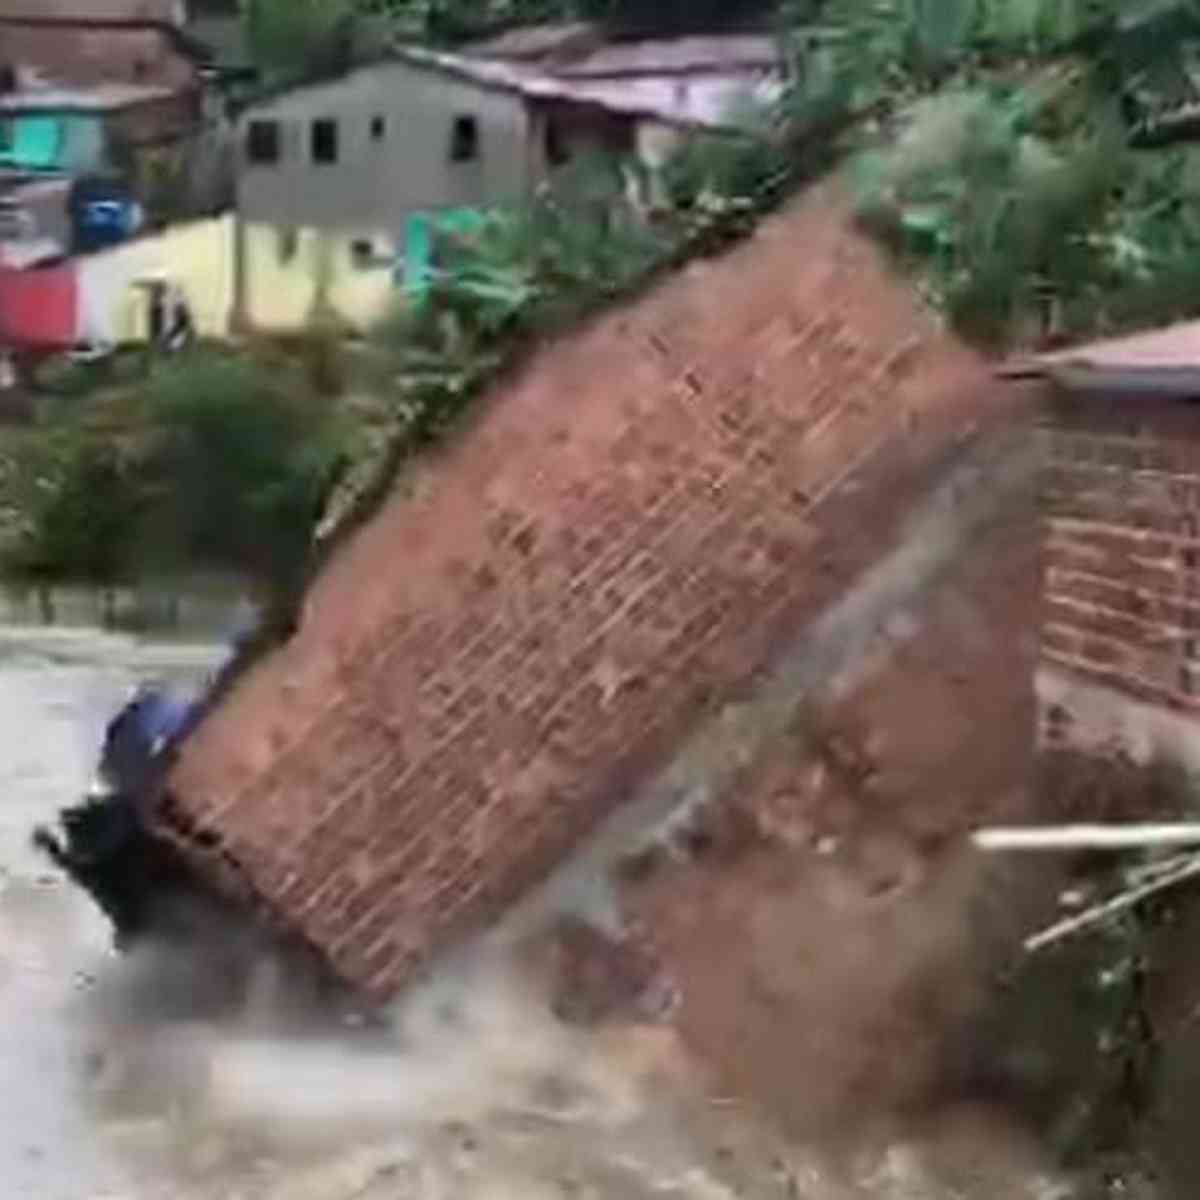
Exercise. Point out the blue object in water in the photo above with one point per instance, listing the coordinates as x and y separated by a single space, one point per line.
138 734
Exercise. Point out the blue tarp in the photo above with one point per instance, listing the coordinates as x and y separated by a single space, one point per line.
138 734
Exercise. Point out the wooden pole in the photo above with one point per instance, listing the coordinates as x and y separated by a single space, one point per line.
1086 837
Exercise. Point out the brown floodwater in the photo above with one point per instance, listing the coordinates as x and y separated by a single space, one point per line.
116 1083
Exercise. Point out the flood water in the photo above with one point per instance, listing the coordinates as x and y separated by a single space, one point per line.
58 687
114 1085
110 1087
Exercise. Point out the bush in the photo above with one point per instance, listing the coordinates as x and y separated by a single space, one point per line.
214 462
82 503
995 217
239 462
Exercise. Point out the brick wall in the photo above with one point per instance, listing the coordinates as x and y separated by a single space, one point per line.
625 534
1120 500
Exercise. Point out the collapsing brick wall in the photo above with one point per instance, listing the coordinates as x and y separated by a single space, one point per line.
1120 648
628 530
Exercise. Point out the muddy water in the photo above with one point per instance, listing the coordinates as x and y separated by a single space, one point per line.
116 1085
112 1083
57 689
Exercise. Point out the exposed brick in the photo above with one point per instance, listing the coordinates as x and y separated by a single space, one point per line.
1119 496
1130 570
649 513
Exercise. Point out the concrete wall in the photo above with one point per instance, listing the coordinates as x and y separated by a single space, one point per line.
290 274
629 532
377 183
1120 638
197 256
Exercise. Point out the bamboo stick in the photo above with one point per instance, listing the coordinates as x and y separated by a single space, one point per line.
1085 837
1101 912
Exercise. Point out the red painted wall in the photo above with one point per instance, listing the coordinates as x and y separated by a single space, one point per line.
38 307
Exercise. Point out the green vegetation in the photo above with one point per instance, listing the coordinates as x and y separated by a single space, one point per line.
1013 175
212 461
997 148
300 37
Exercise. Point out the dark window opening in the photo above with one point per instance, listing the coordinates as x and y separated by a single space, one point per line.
362 254
287 245
378 129
324 141
262 142
558 153
464 141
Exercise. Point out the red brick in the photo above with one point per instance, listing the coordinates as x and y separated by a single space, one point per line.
642 515
1119 499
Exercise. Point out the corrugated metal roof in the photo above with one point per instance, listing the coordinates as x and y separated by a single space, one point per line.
664 100
537 42
104 97
1161 362
86 55
675 56
94 11
537 84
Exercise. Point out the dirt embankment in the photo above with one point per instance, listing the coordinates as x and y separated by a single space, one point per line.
827 936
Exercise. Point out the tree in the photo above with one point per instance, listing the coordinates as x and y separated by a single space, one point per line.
676 16
215 461
300 37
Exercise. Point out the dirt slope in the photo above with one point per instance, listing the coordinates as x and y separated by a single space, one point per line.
631 526
834 939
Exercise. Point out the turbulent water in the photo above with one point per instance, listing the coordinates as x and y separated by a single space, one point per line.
112 1085
115 1085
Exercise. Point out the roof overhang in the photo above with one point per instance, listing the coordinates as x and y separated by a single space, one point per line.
1163 362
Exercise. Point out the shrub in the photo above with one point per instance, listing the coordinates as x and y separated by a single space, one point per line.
214 461
82 502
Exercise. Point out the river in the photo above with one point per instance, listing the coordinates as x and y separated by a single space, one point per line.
116 1085
111 1088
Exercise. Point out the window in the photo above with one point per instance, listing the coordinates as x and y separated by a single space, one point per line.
324 141
287 244
464 140
558 153
378 128
262 142
370 254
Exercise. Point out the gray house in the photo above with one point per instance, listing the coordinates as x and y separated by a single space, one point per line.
386 140
333 174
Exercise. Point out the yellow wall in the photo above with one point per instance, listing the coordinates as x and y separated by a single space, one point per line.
287 271
196 256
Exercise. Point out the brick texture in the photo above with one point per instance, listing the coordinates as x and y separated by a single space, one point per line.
627 531
1120 499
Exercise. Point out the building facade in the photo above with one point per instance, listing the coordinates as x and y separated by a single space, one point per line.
329 174
1119 669
365 150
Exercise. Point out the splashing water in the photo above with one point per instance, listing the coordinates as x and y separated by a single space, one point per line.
117 1083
